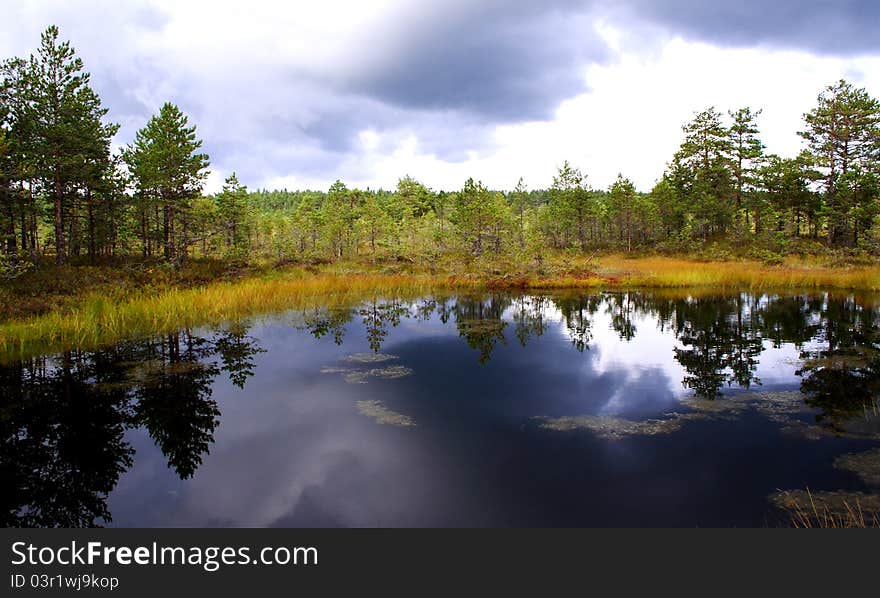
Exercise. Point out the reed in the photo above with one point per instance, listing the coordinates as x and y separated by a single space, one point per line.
822 516
100 318
100 321
662 272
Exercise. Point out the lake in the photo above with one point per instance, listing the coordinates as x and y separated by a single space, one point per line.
603 409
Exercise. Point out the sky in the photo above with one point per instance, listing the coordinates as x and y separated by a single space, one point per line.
298 94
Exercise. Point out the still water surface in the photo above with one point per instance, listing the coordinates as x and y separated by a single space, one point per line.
617 409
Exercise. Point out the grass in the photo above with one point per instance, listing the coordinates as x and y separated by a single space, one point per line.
98 320
814 516
663 272
88 307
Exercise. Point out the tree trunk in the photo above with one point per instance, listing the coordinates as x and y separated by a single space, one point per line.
59 222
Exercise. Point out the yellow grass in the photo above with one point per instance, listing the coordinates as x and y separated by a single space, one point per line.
661 272
101 320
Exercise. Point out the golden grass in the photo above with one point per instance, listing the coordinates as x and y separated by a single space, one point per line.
101 321
96 320
662 272
847 515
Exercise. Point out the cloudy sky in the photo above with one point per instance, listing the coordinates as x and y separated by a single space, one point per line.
296 94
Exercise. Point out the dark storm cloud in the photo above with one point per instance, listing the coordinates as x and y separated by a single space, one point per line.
445 72
501 61
832 27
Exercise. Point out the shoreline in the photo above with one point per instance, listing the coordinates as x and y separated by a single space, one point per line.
102 314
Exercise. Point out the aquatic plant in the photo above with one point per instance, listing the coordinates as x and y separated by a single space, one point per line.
360 376
830 509
101 321
383 415
610 428
740 275
866 465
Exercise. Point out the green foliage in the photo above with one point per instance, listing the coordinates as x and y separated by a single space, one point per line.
63 194
234 217
168 173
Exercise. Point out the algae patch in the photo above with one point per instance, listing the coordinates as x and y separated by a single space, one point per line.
382 415
866 465
369 358
780 407
611 428
837 502
362 376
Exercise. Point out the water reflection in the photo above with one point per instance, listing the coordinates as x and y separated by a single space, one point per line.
64 419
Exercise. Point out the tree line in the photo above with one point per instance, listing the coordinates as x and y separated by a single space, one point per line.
65 195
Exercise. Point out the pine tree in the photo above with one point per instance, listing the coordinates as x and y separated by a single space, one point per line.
842 134
479 215
232 211
168 173
572 201
700 171
520 203
71 143
746 150
622 205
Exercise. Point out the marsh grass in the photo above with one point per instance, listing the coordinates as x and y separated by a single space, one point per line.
97 316
813 515
663 272
98 320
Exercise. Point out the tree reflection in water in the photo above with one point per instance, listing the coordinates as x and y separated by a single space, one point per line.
63 419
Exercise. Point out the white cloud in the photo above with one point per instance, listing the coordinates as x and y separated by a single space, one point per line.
268 85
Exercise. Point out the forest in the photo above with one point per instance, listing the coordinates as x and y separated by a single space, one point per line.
67 198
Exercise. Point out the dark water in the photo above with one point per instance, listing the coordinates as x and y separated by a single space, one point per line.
633 409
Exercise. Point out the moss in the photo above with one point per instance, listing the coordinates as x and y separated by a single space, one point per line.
383 415
835 503
361 376
611 428
866 465
368 358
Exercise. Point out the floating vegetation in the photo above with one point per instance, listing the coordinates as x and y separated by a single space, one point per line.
865 426
866 465
361 376
829 508
383 415
334 370
796 428
391 372
726 408
369 358
611 428
780 407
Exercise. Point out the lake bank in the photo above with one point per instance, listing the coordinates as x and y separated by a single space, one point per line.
87 307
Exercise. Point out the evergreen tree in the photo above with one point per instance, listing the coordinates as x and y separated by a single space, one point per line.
168 173
842 134
622 206
700 172
232 204
520 203
69 141
746 150
572 201
478 216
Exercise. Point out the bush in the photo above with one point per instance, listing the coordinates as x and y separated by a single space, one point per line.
14 265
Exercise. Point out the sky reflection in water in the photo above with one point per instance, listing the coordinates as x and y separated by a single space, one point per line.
497 410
